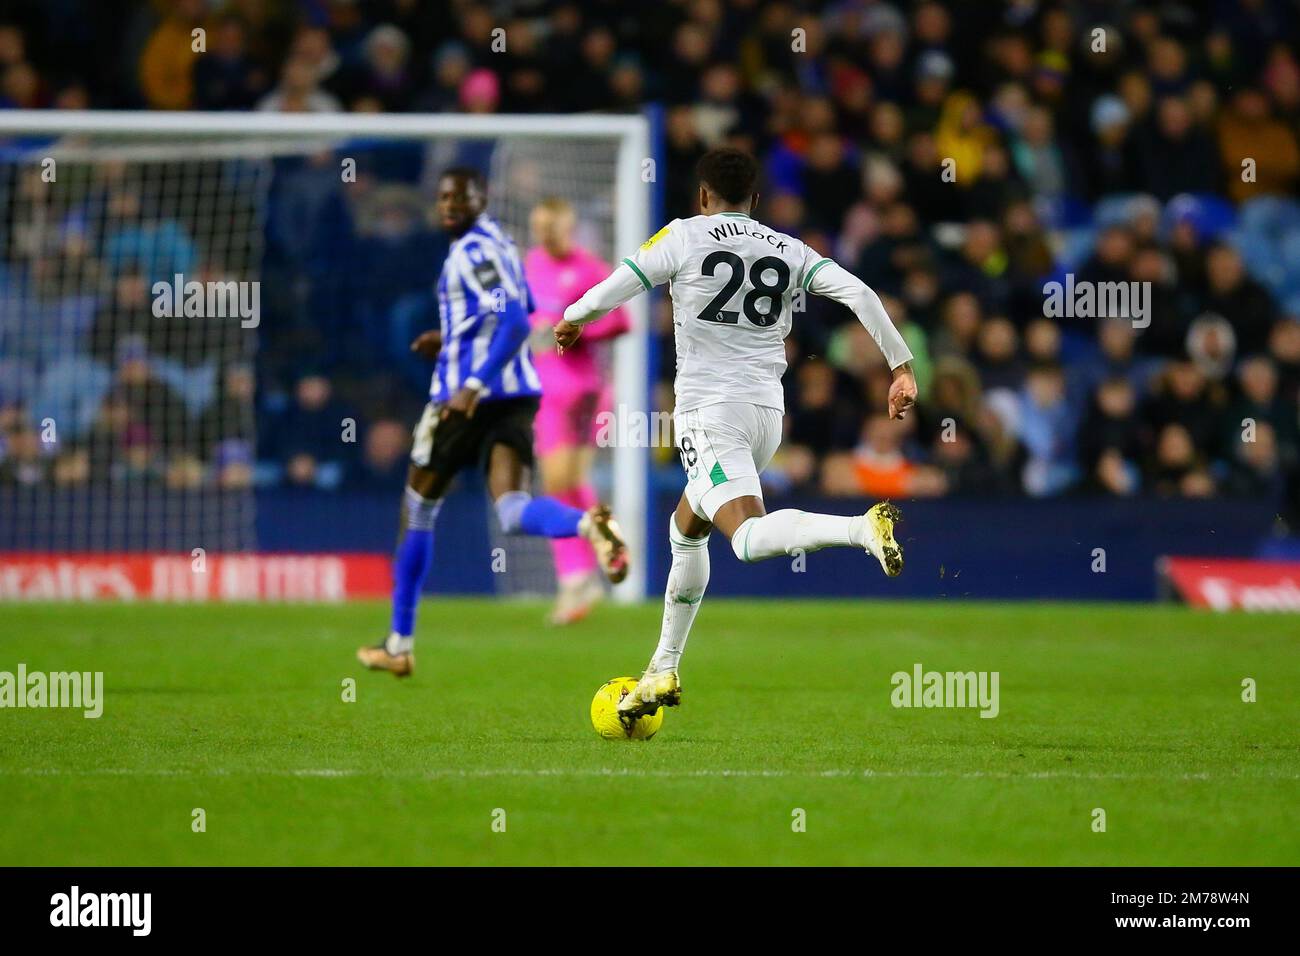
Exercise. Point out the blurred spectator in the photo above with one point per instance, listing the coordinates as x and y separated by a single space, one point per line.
480 92
314 46
1177 468
1111 440
1212 346
451 63
1046 428
1176 156
960 320
299 91
384 456
998 355
1284 347
824 419
1254 471
963 462
156 414
879 468
1115 161
1259 400
227 431
1182 396
225 78
315 436
20 87
1039 157
167 63
1248 132
1229 290
384 74
21 462
127 312
140 235
961 137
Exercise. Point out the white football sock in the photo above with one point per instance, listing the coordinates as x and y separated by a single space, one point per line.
399 643
788 531
687 579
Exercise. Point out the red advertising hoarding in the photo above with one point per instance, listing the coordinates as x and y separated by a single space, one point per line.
1225 584
173 577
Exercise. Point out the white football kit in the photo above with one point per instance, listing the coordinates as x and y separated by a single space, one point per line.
735 284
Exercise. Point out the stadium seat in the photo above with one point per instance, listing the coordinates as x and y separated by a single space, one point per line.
1262 257
1211 215
1270 216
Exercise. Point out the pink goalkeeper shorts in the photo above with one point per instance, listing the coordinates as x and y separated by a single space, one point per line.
567 419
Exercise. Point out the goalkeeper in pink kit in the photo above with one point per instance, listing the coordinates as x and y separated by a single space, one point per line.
573 391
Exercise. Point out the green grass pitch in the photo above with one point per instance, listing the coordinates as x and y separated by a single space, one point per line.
238 710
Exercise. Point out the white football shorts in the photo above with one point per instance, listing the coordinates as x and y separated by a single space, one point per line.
723 449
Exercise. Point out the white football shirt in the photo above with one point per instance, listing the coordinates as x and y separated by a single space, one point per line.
734 285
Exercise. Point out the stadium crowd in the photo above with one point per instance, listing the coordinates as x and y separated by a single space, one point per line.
957 156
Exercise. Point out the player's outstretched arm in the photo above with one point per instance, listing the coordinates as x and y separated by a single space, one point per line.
653 264
830 279
609 326
620 286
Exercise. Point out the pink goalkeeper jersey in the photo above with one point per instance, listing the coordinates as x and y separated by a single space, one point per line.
556 284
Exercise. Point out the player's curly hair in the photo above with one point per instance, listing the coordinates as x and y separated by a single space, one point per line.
729 173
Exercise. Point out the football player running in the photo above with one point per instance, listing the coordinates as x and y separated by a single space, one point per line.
733 281
482 402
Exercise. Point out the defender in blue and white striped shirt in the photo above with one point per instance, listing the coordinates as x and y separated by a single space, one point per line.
482 403
484 301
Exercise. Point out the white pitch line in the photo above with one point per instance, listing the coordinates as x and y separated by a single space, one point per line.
635 772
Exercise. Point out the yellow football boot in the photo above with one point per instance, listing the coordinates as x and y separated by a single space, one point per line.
652 692
880 537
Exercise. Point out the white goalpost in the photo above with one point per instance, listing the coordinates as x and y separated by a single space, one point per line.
206 177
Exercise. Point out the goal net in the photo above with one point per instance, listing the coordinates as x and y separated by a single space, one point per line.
165 280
